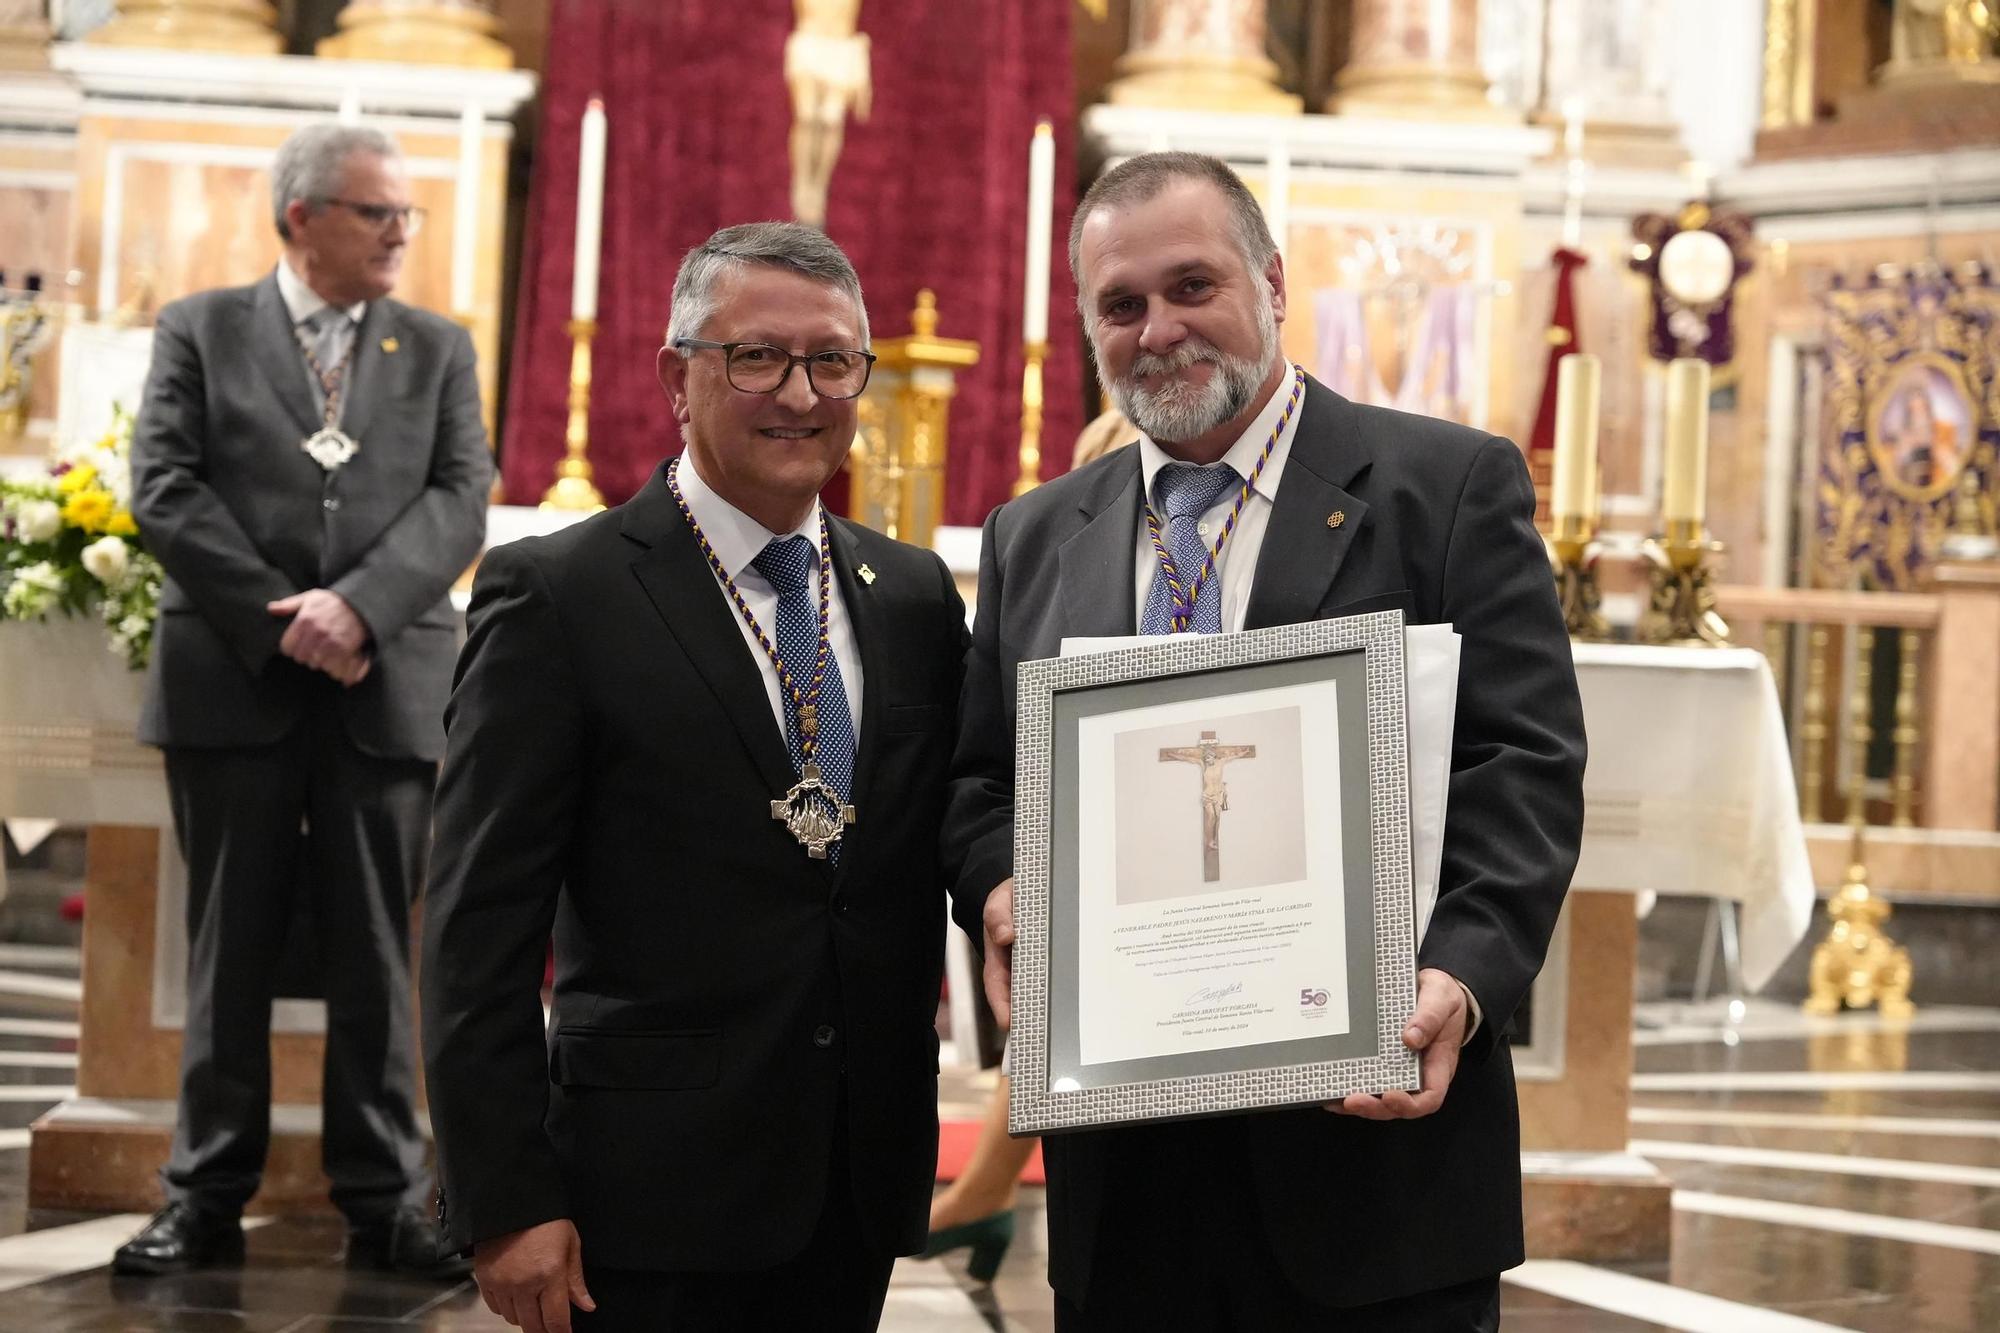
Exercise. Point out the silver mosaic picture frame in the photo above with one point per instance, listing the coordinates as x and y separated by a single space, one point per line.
1217 666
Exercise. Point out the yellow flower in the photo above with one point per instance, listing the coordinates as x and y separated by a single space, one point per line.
76 479
121 524
89 510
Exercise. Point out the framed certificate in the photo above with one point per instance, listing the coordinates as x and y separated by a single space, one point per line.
1212 886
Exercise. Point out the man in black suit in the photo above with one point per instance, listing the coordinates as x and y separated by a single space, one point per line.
1293 1219
732 1122
310 467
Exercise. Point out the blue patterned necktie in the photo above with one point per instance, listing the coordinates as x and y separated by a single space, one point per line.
792 566
1186 492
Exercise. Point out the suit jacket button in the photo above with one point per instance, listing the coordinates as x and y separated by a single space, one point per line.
331 503
840 904
823 1036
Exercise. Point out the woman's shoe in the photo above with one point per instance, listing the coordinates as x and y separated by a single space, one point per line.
989 1238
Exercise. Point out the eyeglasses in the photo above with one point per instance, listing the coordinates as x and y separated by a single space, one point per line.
762 368
381 215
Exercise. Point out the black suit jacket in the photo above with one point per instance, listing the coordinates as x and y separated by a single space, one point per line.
239 516
611 764
1439 523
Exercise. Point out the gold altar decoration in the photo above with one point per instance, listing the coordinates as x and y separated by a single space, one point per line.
238 27
424 32
1573 554
26 327
1414 57
1790 38
826 68
573 489
1204 55
896 467
1941 42
1857 965
1680 601
1912 398
1029 475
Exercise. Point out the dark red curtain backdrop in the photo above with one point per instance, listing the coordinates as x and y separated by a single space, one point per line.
931 191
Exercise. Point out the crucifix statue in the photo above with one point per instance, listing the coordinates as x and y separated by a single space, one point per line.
826 67
1214 794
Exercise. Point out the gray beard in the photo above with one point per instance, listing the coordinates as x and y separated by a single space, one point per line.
1177 410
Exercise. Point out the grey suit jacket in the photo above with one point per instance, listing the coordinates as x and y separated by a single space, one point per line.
239 516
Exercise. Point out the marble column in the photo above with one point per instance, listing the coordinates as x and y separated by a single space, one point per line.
239 27
24 34
424 32
1200 54
1413 57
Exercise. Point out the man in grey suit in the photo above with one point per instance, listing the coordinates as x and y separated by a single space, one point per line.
310 467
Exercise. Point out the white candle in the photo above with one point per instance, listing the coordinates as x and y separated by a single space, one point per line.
465 210
1041 204
1573 173
1572 127
350 106
1686 491
1573 488
589 212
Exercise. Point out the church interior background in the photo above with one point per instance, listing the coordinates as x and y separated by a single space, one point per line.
1760 1076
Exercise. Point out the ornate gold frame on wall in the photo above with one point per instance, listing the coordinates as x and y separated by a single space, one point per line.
1872 526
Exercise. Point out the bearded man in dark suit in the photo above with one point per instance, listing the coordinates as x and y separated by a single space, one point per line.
1293 1219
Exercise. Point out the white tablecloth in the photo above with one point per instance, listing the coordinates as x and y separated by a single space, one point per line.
1690 788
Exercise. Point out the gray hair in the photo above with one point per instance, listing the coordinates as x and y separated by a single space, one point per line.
790 246
1141 178
308 164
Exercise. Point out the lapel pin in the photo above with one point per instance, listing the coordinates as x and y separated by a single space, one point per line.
867 575
390 345
1336 518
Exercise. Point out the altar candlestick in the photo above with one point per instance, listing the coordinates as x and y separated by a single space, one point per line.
1574 485
1686 491
465 210
1041 204
589 212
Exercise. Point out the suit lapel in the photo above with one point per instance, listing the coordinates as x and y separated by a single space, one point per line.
1097 575
871 631
368 369
276 350
1313 519
683 589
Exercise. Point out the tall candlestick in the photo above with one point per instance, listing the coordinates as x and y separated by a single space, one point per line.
589 212
1685 495
1573 492
465 210
1041 205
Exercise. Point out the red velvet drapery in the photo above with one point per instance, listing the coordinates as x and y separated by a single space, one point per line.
930 192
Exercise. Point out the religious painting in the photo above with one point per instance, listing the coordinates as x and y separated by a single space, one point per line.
1209 806
1213 875
1910 405
1921 427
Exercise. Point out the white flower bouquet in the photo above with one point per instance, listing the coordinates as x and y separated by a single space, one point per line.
68 543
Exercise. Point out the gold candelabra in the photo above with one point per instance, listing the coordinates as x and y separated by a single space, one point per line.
1030 475
1680 608
1857 964
1573 558
573 489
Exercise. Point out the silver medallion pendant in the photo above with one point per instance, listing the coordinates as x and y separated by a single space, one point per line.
330 447
813 812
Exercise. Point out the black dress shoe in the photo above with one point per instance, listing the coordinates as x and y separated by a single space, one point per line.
405 1241
181 1237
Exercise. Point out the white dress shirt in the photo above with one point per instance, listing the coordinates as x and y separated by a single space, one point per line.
1237 565
737 539
302 302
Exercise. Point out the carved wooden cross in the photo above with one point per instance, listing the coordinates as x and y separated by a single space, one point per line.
1214 795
